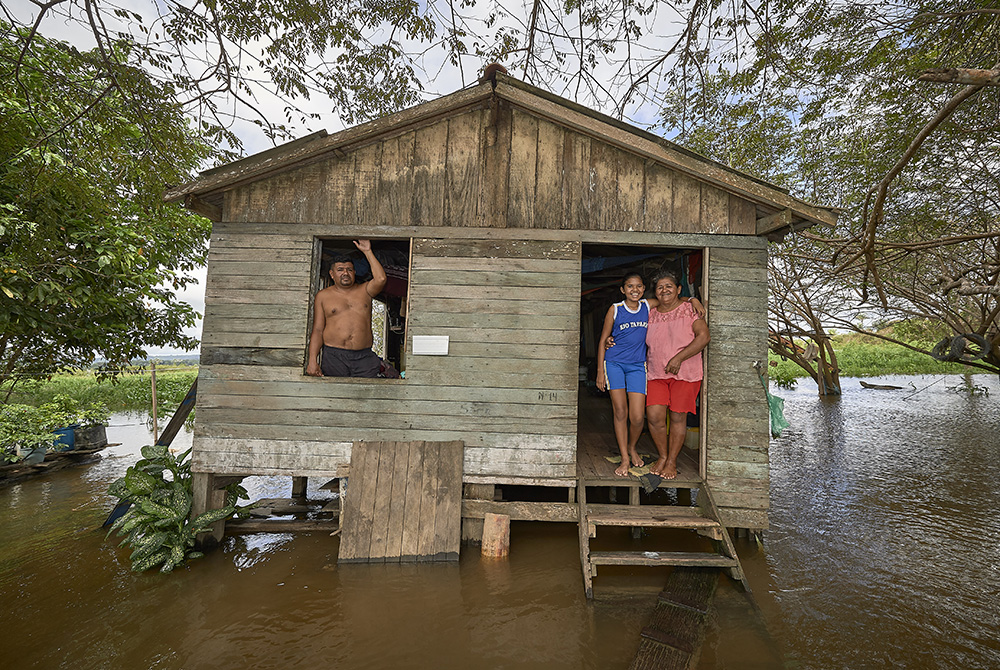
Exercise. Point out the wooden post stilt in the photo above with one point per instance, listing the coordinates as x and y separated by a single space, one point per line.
299 485
152 382
205 496
472 529
496 535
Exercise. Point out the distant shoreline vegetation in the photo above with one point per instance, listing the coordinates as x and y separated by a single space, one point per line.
129 392
863 356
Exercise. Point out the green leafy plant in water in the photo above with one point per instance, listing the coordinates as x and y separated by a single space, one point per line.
782 377
73 412
158 526
24 428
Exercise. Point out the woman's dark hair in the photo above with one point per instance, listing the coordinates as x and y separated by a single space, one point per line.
667 273
629 276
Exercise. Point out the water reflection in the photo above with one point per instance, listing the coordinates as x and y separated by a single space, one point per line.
281 600
882 548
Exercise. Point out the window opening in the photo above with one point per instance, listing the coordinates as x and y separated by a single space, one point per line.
389 306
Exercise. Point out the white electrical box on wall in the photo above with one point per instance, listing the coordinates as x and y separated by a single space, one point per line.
430 345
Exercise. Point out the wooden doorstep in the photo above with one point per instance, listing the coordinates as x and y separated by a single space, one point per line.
653 516
687 558
680 482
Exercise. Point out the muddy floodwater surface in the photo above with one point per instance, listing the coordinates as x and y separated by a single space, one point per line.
882 553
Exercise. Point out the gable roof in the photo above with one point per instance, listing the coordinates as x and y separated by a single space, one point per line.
778 212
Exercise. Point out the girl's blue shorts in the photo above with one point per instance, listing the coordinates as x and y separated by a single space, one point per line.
628 376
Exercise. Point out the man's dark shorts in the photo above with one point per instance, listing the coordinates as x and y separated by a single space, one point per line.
350 362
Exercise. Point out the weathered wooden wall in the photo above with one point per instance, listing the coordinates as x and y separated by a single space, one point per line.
507 388
736 410
485 169
497 203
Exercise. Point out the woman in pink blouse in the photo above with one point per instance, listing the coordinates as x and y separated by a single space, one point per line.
675 338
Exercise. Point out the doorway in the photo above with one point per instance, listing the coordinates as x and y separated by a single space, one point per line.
602 268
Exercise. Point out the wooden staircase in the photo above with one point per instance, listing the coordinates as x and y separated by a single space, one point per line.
702 519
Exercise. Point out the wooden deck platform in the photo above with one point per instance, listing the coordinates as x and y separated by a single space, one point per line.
596 442
13 473
403 502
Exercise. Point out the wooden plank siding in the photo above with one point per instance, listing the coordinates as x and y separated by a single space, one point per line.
497 202
737 414
493 168
509 395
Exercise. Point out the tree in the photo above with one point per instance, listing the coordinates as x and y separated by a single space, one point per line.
820 96
221 57
832 100
800 296
90 256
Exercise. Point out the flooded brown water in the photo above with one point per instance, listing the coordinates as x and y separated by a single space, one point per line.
882 552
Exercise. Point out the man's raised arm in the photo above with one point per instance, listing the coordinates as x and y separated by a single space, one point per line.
377 283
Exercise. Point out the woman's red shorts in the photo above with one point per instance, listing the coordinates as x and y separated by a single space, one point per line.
678 396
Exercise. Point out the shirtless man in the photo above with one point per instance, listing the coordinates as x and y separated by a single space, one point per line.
342 325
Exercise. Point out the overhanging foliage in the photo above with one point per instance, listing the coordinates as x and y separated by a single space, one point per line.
90 256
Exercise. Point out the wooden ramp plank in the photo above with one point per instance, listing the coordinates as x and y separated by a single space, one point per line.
410 541
692 588
676 630
397 502
655 656
403 502
675 626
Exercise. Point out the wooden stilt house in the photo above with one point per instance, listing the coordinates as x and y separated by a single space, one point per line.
504 216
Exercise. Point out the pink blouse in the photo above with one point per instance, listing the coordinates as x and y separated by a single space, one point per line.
666 335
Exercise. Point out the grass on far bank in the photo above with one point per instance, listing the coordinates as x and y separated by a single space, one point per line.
863 356
128 393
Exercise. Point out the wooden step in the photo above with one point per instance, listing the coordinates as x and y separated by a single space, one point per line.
682 482
686 558
647 516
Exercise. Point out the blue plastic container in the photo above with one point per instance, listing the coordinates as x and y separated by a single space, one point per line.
65 438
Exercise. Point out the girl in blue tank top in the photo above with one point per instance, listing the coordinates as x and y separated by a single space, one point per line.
621 370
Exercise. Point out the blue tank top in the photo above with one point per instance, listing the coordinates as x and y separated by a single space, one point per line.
629 331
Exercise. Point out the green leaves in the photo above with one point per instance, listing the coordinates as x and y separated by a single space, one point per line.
86 242
139 484
158 526
24 427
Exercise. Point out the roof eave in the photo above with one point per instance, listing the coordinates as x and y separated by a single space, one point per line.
668 154
314 147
